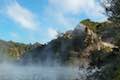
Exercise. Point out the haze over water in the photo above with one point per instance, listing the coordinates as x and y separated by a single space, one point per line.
15 72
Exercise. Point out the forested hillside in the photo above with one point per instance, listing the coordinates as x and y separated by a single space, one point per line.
15 50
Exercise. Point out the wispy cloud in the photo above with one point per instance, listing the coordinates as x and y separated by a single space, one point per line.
74 6
52 33
91 8
21 15
58 17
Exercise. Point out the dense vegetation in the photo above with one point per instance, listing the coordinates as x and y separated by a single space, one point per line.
112 10
108 61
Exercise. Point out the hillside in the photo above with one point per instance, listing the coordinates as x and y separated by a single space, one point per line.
90 44
14 50
107 61
76 46
96 46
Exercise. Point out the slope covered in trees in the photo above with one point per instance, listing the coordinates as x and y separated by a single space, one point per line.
14 50
90 44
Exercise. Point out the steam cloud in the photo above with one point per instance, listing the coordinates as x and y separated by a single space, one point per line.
12 71
17 72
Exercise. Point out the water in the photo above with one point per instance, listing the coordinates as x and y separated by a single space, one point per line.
15 72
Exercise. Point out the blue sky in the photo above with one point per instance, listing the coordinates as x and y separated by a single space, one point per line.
30 21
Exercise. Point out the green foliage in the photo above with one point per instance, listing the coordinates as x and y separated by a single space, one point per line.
92 25
117 38
117 75
109 62
112 8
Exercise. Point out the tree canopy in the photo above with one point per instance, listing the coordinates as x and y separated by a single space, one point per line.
112 9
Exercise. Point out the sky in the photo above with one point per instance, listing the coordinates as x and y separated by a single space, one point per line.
30 21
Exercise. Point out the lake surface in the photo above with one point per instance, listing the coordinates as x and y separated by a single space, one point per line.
15 72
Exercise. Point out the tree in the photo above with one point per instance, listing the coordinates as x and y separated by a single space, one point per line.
112 9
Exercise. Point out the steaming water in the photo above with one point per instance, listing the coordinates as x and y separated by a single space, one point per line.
14 72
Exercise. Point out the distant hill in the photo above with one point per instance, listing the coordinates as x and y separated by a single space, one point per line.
15 50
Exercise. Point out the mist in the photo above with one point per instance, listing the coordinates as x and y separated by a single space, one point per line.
10 70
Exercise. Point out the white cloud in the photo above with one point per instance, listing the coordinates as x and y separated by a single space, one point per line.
52 33
69 5
91 8
59 19
21 15
74 5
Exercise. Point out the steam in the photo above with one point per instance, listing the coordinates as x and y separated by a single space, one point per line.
18 72
12 71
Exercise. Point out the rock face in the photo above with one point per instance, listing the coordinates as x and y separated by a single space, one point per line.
65 49
107 57
74 47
